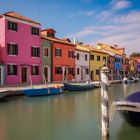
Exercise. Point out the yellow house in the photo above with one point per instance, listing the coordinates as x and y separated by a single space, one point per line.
131 65
97 60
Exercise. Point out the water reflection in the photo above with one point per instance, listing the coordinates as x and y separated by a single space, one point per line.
71 116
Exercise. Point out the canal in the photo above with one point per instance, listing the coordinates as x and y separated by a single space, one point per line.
70 116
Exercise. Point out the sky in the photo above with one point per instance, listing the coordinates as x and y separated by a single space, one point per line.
113 22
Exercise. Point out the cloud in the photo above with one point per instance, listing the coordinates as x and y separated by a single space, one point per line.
113 7
82 13
120 4
122 30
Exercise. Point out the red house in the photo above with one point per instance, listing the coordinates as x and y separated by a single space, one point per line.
63 57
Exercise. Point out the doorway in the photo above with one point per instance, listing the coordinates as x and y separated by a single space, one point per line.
24 74
91 75
46 73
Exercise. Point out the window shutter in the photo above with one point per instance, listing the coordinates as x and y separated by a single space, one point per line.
16 49
38 52
31 51
8 48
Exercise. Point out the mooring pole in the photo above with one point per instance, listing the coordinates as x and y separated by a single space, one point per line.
105 101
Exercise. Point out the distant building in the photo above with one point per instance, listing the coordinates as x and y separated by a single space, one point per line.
46 45
98 59
82 63
63 57
119 59
20 43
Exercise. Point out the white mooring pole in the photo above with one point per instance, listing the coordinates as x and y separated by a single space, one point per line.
104 101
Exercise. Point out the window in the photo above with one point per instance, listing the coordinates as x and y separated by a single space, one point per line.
70 54
98 58
71 71
85 57
12 49
87 71
50 35
78 56
78 71
12 69
35 70
104 58
109 61
97 72
58 70
58 52
34 31
91 57
12 26
122 61
35 52
46 52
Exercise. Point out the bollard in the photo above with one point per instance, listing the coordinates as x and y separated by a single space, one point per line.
104 101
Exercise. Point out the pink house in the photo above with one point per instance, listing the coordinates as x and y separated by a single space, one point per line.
20 41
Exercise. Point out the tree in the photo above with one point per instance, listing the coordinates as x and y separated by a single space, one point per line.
135 54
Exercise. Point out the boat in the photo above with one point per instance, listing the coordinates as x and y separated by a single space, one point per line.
3 95
130 108
129 81
42 91
78 86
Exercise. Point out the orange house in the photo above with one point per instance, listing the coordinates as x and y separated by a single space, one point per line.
63 57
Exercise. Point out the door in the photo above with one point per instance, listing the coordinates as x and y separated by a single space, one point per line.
24 75
91 76
46 73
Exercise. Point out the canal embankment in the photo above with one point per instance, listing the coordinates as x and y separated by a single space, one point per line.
14 90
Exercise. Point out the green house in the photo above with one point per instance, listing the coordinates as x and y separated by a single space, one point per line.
46 59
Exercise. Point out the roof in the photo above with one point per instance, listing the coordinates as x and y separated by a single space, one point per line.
91 48
109 48
18 16
82 48
50 29
57 40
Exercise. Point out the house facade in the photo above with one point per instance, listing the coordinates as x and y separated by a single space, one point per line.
118 67
97 60
20 43
82 63
63 57
46 59
119 54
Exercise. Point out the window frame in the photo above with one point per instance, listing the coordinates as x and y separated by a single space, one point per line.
12 26
12 72
35 52
12 49
34 70
58 54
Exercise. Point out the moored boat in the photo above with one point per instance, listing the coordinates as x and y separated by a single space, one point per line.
130 108
42 91
78 86
129 81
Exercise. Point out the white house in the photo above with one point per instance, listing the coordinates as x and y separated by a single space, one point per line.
82 63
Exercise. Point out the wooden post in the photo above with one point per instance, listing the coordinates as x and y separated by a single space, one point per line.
104 101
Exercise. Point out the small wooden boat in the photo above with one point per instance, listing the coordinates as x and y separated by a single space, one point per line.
129 81
78 86
42 91
130 108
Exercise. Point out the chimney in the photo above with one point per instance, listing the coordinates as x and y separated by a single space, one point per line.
48 33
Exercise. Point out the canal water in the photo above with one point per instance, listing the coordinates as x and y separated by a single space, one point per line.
70 116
